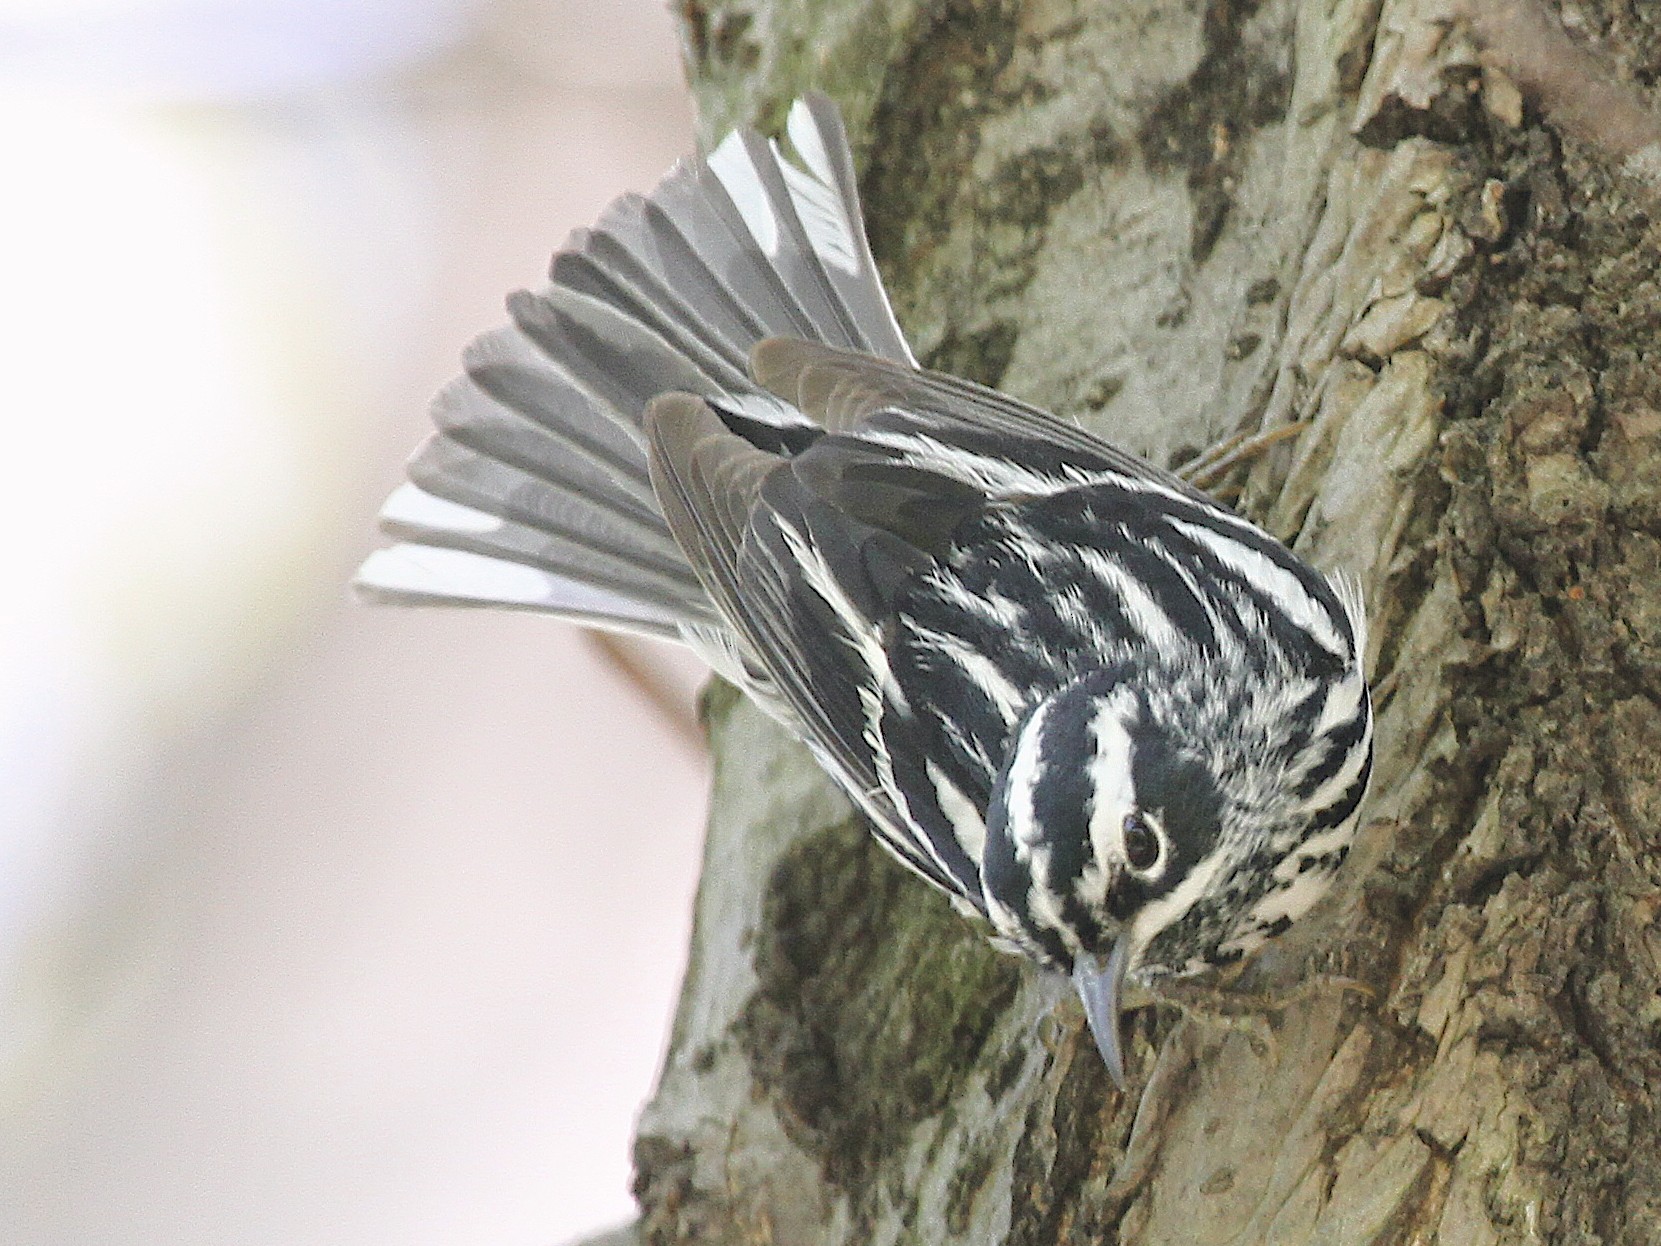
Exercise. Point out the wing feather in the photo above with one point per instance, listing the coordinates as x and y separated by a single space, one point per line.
845 391
787 572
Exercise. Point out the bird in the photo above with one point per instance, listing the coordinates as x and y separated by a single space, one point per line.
1125 729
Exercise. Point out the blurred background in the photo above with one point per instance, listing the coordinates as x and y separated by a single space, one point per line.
317 923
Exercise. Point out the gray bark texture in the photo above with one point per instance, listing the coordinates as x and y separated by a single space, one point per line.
1174 221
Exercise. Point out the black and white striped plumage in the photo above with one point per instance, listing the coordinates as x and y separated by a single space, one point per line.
1125 726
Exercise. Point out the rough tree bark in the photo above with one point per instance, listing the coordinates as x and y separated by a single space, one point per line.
1173 221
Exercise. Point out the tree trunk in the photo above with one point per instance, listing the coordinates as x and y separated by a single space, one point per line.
1174 221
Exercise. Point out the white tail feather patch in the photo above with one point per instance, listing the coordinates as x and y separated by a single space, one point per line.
819 208
411 505
427 571
809 143
731 164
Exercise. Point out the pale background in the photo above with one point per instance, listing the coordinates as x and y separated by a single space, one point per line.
317 924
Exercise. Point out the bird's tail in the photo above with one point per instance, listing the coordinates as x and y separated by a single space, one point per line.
534 493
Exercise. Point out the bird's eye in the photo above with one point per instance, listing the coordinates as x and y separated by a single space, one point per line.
1142 844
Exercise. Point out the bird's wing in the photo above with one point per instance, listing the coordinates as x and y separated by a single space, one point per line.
804 557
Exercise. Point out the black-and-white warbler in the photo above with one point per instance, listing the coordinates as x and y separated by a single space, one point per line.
1125 726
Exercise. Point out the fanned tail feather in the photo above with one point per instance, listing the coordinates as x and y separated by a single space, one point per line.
534 492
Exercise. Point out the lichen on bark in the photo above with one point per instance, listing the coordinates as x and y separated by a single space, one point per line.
1174 222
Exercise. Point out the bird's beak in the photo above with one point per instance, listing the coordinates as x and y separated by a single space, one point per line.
1099 987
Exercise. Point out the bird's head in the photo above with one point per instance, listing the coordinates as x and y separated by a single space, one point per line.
1158 827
